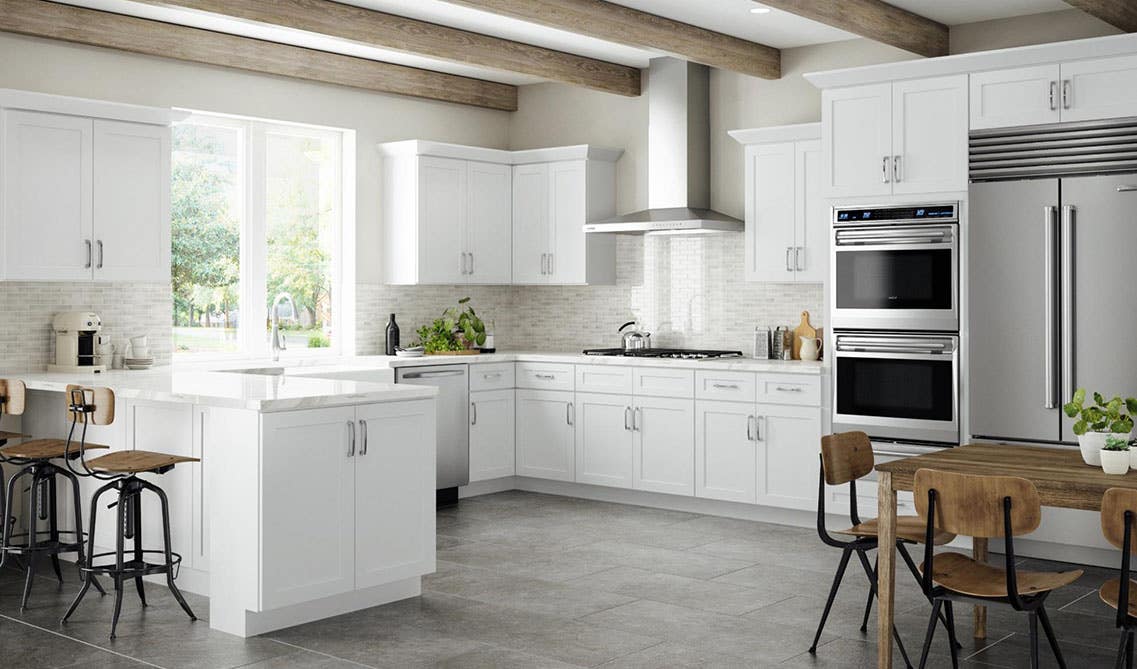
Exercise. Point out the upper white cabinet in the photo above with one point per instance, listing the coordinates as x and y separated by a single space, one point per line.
85 197
786 212
1081 90
467 215
895 138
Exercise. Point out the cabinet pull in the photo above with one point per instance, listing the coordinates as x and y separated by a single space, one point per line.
491 375
351 439
90 254
788 389
797 258
543 256
896 169
1067 93
627 418
546 377
750 428
789 267
552 264
636 414
363 431
1126 189
100 265
757 429
471 263
1053 96
725 386
884 170
473 413
569 413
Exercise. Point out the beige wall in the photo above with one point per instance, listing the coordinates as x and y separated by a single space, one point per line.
1021 31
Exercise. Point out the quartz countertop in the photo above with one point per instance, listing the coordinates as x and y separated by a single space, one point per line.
742 364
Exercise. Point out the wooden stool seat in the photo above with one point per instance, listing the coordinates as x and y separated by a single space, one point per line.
44 449
136 462
960 573
1110 593
909 528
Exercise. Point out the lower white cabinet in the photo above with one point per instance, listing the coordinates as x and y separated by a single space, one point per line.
545 435
492 434
789 440
664 451
604 439
726 453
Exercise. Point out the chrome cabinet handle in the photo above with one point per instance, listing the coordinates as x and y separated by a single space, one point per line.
351 439
896 169
546 377
552 263
798 252
1067 297
1050 330
100 265
750 428
492 375
789 250
471 263
637 413
753 420
1067 94
363 431
1053 96
788 389
90 257
725 386
1126 189
884 170
570 413
544 263
473 413
627 418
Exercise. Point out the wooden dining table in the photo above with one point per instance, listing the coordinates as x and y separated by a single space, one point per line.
1061 477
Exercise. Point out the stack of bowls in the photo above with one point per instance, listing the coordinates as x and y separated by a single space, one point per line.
139 357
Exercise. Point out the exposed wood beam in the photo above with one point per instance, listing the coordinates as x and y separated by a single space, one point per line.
389 31
104 29
875 20
623 25
1117 13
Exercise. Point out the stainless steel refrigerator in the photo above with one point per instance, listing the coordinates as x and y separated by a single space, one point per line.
1053 300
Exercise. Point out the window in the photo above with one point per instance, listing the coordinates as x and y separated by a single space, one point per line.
257 219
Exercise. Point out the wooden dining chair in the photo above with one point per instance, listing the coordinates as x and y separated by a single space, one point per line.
845 458
986 507
1118 512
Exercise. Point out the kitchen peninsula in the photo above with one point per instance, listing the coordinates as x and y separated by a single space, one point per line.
313 496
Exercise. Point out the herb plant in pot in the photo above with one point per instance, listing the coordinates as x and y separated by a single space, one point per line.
457 330
1098 421
1115 455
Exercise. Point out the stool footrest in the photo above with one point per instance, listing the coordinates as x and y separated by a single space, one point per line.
46 546
132 567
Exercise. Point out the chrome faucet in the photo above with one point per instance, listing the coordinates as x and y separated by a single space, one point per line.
277 339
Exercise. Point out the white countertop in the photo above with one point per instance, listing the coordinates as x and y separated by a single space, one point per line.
743 364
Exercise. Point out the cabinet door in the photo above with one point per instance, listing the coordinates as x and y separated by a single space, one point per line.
307 485
604 439
442 220
664 455
929 136
567 212
1099 89
545 434
789 439
394 492
492 434
530 223
726 458
132 202
1021 96
811 215
856 129
770 212
165 427
489 224
47 196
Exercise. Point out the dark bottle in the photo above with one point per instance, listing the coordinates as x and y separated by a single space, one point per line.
392 336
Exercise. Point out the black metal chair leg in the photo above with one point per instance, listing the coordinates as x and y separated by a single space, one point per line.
81 560
871 574
120 540
1120 663
952 643
931 633
33 519
1050 637
919 581
1033 639
53 520
868 610
1129 651
90 577
136 521
169 550
845 555
117 605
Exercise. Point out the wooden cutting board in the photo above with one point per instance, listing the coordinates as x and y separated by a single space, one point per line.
804 329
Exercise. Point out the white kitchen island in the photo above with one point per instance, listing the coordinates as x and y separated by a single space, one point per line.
313 497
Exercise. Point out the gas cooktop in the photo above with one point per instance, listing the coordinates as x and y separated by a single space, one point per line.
671 353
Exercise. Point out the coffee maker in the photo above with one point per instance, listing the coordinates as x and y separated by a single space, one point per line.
76 333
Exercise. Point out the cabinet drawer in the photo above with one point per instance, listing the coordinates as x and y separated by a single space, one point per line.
729 386
789 389
663 382
495 376
603 379
544 376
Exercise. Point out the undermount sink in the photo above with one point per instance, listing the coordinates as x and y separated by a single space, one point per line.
258 371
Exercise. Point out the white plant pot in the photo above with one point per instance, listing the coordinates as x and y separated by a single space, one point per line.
1115 462
1091 444
1132 458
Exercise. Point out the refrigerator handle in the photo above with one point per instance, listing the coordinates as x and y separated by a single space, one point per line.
1069 218
1050 330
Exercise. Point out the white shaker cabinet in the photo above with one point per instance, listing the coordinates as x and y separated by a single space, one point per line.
857 140
492 435
545 434
664 450
531 239
441 194
788 443
604 439
489 221
1099 89
726 451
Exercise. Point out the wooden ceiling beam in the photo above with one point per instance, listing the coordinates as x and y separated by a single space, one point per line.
389 31
1117 13
875 20
623 25
39 18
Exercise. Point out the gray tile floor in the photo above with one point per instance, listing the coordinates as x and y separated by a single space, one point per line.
537 581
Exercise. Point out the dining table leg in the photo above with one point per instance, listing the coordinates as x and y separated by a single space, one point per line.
886 569
979 552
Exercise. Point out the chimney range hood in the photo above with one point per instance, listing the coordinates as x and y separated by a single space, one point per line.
679 166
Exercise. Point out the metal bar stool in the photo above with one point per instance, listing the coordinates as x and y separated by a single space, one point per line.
1118 514
34 458
12 397
95 406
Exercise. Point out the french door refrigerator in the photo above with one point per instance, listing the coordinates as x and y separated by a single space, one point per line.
1053 301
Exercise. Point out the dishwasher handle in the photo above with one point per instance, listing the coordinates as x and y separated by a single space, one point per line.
433 375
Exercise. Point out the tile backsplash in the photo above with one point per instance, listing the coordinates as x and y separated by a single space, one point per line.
688 291
127 309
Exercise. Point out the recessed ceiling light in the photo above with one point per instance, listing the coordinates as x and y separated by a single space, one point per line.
759 10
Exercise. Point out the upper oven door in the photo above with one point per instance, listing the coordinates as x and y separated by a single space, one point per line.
896 277
897 386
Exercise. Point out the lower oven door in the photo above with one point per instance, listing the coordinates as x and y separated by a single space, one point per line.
897 387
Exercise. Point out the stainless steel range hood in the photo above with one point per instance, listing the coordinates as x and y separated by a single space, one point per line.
679 166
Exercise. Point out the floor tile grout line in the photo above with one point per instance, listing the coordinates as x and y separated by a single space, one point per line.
989 646
1063 607
316 652
80 641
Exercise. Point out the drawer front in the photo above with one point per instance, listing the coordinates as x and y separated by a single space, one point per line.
663 382
728 386
789 389
603 379
495 376
543 376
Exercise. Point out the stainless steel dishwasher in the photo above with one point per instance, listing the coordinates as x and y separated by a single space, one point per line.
453 386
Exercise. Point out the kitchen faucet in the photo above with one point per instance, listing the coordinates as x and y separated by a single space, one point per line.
277 339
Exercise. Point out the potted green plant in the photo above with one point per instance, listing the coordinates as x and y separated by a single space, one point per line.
1098 421
457 330
1115 455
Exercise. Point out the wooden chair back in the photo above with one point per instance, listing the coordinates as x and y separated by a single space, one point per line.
846 456
1113 507
13 395
101 399
972 505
